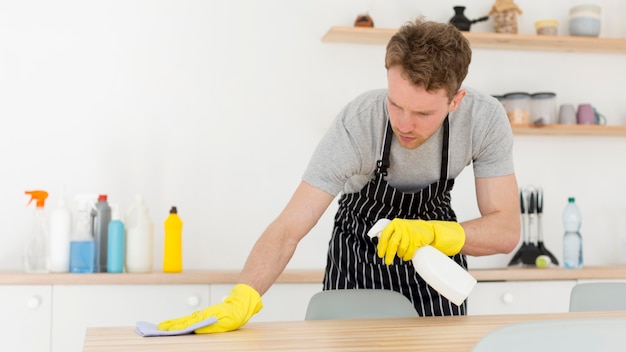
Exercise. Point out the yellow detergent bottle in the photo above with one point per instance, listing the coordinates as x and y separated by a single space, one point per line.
173 243
36 252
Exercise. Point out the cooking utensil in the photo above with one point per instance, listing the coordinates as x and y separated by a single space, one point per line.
528 251
532 250
542 249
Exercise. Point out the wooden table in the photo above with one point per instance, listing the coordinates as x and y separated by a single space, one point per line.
404 334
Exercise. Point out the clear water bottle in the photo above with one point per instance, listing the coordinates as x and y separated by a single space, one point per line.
572 240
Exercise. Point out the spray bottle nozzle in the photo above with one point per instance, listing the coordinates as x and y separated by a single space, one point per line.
39 196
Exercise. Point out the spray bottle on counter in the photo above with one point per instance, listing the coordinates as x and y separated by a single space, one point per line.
116 242
35 254
60 233
139 238
173 243
101 216
82 246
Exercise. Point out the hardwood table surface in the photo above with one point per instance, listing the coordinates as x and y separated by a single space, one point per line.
459 333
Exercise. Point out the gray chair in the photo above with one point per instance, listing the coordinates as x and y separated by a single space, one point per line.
359 304
604 334
598 296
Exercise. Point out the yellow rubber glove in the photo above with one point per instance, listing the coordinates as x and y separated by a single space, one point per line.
403 237
234 312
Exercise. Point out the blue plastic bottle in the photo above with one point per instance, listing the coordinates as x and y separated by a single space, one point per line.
82 247
115 253
572 239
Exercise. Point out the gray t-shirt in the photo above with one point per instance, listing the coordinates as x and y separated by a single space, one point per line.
345 159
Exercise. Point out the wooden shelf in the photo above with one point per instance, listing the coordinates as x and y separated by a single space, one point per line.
570 130
500 41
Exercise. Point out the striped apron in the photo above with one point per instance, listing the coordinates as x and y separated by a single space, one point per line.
352 261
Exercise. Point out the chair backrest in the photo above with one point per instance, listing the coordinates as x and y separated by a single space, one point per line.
573 335
359 304
598 296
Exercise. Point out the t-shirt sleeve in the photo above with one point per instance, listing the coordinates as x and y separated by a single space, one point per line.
336 157
348 151
493 153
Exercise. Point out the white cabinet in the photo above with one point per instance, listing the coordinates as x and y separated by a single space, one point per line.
26 314
281 302
77 307
520 297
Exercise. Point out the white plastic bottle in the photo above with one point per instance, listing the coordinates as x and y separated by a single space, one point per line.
572 239
139 238
60 233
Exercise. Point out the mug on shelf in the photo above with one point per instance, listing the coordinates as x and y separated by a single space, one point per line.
567 114
588 115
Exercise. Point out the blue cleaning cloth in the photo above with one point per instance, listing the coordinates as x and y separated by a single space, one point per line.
146 329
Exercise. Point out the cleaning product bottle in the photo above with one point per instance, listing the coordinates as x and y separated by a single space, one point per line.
139 238
116 242
60 233
438 270
82 246
101 216
173 243
35 254
572 239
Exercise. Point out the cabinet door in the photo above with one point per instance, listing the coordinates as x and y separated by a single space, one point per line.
520 297
77 307
26 315
281 302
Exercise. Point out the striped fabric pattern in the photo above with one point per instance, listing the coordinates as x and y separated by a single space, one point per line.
352 261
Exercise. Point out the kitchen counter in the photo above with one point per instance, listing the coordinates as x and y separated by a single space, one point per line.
292 276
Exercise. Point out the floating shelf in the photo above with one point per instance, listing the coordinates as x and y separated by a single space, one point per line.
570 130
501 41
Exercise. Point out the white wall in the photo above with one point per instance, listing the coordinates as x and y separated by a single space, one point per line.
215 106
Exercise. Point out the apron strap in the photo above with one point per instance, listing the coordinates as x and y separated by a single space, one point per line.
444 152
383 163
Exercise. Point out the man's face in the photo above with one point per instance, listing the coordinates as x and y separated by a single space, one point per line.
414 113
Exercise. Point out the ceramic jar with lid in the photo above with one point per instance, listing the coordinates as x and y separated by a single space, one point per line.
584 20
517 106
543 108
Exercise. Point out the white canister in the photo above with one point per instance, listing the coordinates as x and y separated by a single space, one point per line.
517 106
543 108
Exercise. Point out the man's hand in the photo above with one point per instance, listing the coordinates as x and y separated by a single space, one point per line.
234 312
403 237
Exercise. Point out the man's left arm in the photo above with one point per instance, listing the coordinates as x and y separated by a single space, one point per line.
498 229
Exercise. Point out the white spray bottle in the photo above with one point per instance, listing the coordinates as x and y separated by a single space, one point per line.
437 269
36 252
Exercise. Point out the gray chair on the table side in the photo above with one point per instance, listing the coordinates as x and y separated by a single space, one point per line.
359 304
604 334
598 296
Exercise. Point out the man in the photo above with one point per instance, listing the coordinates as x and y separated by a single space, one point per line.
394 154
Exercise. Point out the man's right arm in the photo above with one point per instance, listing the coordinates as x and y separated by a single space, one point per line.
266 261
273 250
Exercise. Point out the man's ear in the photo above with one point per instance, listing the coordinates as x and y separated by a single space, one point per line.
456 100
